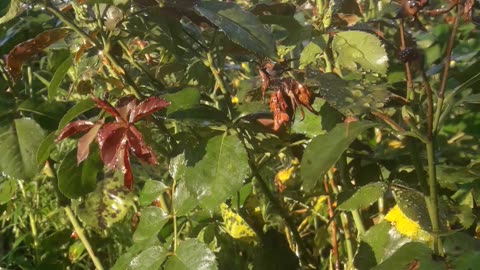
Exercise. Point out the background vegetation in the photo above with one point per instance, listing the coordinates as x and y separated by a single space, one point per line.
150 134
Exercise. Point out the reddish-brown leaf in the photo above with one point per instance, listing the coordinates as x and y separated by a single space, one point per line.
74 128
111 141
138 146
125 106
147 107
127 170
25 50
108 108
83 146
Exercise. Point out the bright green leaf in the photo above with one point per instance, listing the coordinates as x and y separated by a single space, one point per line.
150 191
149 259
57 79
362 197
183 200
312 53
14 9
8 188
241 26
324 150
75 111
19 143
152 220
192 255
356 50
314 125
45 148
412 255
184 99
125 260
216 170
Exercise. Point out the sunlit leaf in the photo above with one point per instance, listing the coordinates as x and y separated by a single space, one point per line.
147 107
357 50
412 255
79 108
362 197
192 255
112 141
14 9
216 170
150 258
151 191
74 128
152 220
8 188
184 99
241 26
24 51
324 150
45 148
58 77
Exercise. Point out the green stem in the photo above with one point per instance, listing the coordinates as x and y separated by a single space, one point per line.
79 230
174 216
433 207
357 219
304 255
348 240
219 80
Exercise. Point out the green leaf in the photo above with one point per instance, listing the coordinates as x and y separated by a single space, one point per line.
312 53
376 244
57 78
19 143
216 170
78 180
14 9
240 26
151 258
183 200
7 190
362 197
46 147
324 150
75 111
152 220
192 255
356 50
475 98
452 176
128 258
184 99
412 255
150 192
314 125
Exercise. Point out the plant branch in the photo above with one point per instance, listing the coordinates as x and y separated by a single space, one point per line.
219 80
433 206
333 224
79 230
408 73
304 255
448 59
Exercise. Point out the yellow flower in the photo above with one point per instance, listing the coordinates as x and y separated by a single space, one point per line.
235 100
406 226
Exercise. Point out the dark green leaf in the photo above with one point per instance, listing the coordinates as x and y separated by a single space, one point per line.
19 143
152 220
324 150
376 244
412 255
151 258
216 170
78 180
360 50
57 79
126 258
240 26
75 111
45 148
192 255
8 188
451 176
314 125
184 99
150 191
362 197
412 204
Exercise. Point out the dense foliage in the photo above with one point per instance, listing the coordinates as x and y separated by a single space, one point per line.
190 134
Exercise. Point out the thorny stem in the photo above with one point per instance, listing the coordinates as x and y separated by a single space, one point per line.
448 59
79 230
408 73
304 255
333 224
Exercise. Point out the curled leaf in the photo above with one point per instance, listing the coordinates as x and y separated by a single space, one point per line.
26 50
74 128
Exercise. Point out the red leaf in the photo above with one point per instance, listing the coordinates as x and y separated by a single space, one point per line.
138 146
125 106
25 50
108 108
74 128
147 107
111 141
127 171
84 142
